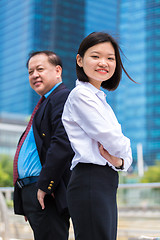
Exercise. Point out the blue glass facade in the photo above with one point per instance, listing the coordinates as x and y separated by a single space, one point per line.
152 19
138 105
44 25
15 41
102 15
35 25
60 26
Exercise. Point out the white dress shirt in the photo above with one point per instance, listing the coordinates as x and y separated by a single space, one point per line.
89 120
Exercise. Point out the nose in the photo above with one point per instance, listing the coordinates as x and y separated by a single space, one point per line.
103 62
35 74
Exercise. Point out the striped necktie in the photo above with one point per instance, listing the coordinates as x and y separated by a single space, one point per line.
15 162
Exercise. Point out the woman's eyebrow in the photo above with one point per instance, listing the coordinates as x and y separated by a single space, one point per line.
100 52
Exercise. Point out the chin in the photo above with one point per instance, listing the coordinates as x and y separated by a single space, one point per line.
39 93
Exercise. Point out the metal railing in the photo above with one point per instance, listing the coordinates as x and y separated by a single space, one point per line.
130 196
5 231
139 195
139 185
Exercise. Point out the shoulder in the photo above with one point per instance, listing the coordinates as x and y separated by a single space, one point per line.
59 94
81 92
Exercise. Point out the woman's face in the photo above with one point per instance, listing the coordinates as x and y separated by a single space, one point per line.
98 62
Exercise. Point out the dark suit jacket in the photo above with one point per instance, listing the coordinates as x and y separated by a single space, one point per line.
54 150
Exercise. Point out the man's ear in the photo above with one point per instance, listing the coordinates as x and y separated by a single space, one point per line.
79 60
58 70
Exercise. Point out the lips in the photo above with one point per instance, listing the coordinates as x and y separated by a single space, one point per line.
37 83
102 70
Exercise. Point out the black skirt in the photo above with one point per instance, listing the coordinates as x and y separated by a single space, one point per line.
92 202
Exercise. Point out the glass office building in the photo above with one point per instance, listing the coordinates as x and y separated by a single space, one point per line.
102 15
43 25
153 78
35 25
60 25
10 131
15 42
50 25
138 105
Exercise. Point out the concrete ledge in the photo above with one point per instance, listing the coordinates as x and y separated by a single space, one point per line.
145 238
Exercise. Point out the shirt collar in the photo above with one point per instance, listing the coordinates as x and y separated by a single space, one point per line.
55 86
98 92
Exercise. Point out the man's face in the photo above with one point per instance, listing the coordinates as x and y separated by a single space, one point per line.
43 75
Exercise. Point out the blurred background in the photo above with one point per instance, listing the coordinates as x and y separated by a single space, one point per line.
60 26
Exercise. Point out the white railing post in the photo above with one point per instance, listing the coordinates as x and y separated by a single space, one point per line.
4 214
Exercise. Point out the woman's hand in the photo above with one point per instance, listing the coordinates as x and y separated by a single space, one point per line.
115 161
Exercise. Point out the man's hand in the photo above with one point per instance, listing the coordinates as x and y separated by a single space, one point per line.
115 161
40 196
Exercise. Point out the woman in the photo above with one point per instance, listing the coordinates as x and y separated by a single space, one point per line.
101 150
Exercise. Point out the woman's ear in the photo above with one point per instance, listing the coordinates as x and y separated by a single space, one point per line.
79 60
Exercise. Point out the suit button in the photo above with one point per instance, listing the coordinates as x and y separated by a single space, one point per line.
43 134
52 181
49 188
50 185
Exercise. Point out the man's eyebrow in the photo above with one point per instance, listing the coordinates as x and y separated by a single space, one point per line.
39 65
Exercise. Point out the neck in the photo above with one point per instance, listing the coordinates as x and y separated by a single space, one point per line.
96 84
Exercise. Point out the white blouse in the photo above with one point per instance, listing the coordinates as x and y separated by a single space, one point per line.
89 120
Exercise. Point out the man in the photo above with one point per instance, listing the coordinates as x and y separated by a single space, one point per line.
43 156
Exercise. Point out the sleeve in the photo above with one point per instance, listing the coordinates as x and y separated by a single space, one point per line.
100 124
59 152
